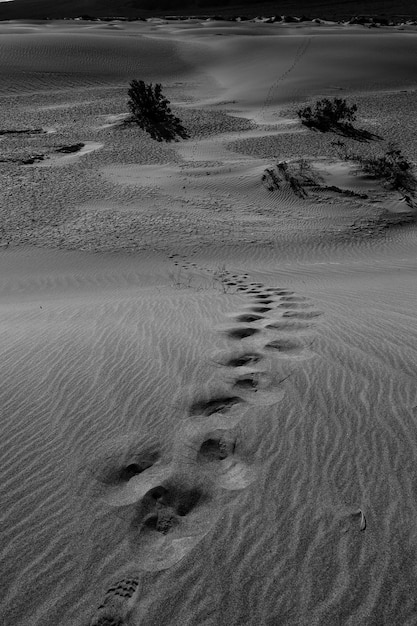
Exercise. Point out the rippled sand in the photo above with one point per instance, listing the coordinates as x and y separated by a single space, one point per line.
208 387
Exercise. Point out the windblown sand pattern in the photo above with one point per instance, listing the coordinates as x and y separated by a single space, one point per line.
208 390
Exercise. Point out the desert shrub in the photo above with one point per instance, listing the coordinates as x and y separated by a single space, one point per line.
393 168
328 114
150 110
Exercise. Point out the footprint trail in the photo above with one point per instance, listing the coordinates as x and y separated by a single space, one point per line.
170 505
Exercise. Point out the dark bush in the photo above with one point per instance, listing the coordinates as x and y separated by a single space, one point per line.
393 168
328 114
150 110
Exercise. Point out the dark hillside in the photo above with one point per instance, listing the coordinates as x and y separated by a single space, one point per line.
331 9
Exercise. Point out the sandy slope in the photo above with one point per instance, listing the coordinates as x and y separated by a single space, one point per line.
212 417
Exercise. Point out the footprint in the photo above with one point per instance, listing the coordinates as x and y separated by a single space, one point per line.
219 404
241 333
232 473
260 388
170 521
248 317
213 449
121 470
264 297
118 603
249 382
265 302
261 309
244 360
213 406
307 315
215 453
133 490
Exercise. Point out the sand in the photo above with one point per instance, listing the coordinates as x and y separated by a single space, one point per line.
208 376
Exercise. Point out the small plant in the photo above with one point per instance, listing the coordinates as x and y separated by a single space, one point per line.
392 167
284 172
270 179
328 114
292 180
150 110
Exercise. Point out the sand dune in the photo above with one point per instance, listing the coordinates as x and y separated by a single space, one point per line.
208 373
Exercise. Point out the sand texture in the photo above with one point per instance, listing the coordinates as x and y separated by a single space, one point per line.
208 396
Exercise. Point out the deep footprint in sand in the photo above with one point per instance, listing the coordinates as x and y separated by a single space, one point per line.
264 297
260 388
118 603
265 302
215 454
122 470
248 317
220 404
241 333
169 522
134 489
244 360
213 406
261 309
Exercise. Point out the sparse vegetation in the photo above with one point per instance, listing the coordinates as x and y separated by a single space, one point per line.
328 114
392 167
284 172
292 180
334 115
150 110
